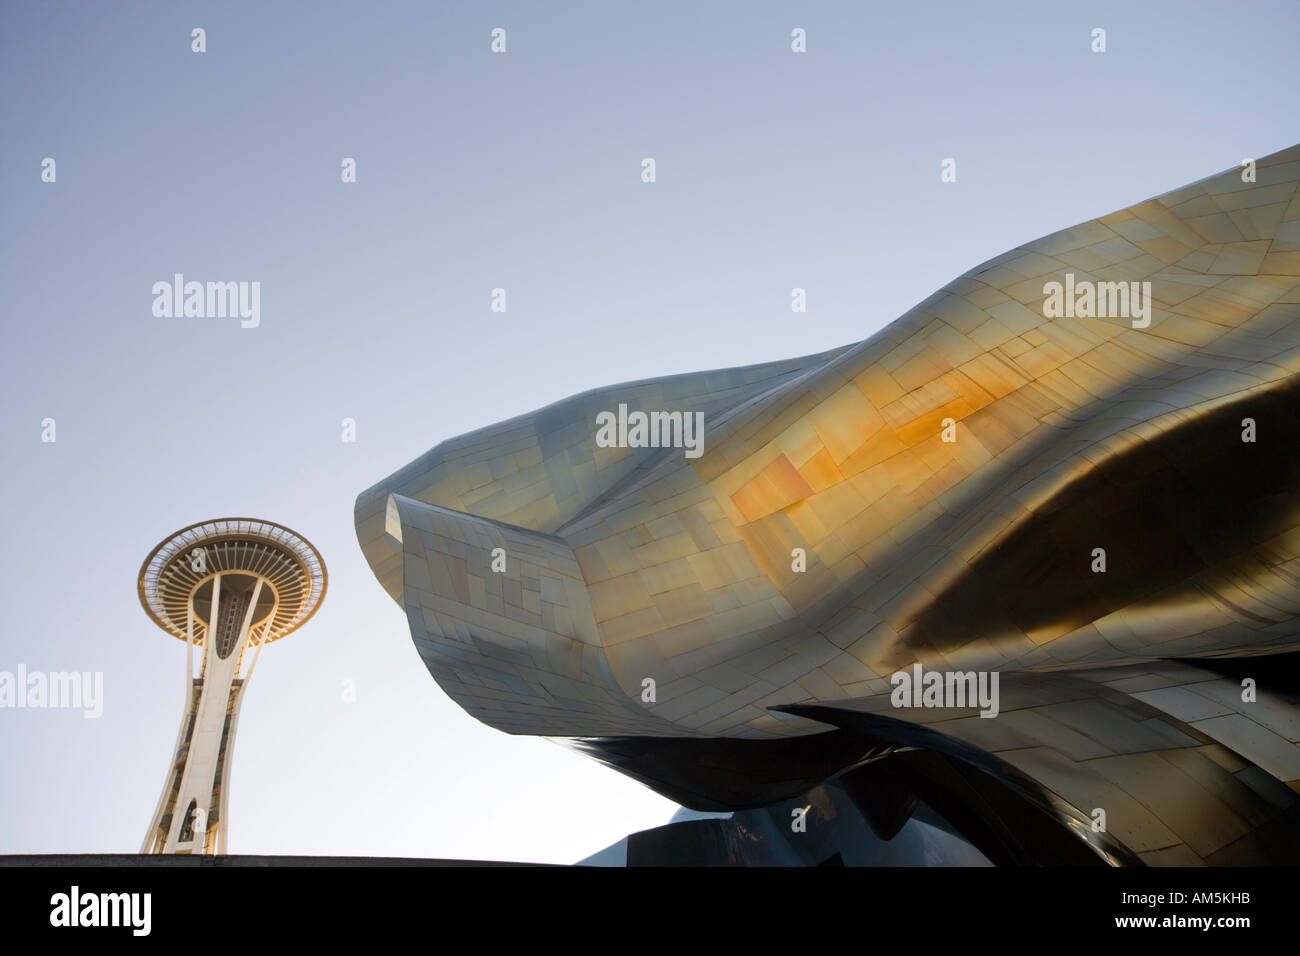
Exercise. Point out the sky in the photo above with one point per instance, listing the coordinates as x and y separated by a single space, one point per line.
477 170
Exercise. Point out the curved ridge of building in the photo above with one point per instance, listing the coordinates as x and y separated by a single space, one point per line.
952 484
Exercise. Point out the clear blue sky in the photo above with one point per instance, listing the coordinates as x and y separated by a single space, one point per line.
477 171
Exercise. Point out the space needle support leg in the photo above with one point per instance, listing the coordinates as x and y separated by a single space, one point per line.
220 843
261 642
189 653
150 843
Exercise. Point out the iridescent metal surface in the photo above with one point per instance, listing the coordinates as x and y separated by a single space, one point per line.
1093 499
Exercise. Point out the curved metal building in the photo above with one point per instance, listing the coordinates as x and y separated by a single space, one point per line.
1028 558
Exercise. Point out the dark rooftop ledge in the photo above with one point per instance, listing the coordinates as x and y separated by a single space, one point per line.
171 860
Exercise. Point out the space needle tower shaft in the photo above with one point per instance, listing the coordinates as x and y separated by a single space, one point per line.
227 588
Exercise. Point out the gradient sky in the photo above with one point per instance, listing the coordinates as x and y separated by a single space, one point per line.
476 171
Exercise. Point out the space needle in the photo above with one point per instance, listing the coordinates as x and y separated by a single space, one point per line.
227 587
